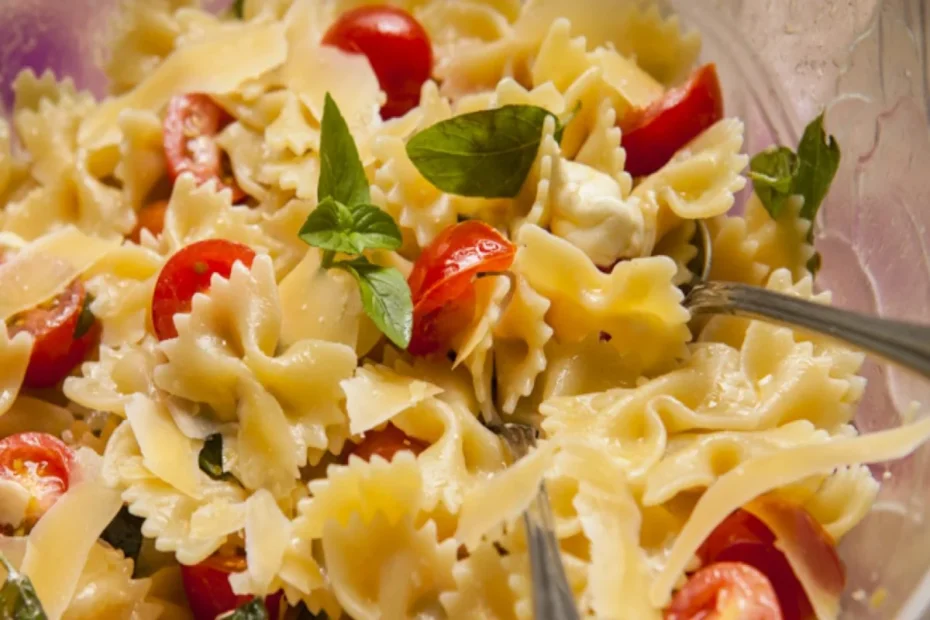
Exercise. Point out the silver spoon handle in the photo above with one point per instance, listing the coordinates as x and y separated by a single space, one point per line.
906 344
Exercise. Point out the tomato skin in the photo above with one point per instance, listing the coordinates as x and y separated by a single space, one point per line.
150 217
189 272
386 443
651 136
743 538
209 593
395 44
56 351
725 590
40 462
442 280
191 123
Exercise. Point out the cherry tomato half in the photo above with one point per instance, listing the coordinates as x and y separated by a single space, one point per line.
725 590
386 443
189 272
191 124
41 463
209 593
150 217
397 47
743 538
442 281
651 136
54 326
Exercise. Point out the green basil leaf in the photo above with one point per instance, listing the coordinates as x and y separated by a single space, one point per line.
483 154
124 532
236 8
385 298
772 173
305 614
85 319
18 599
819 159
336 227
342 176
253 610
210 458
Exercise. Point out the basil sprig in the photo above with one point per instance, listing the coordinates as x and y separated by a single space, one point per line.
124 532
485 154
18 599
779 173
253 610
346 222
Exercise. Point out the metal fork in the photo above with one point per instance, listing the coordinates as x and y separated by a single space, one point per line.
552 596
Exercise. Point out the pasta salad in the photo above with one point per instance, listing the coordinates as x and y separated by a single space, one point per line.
262 306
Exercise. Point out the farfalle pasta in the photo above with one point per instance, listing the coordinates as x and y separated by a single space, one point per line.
266 305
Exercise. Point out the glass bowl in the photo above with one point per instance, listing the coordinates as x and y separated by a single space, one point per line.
781 62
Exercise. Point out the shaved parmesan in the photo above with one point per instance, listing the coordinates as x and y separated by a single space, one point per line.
46 266
59 544
267 535
14 358
753 478
166 452
218 63
376 394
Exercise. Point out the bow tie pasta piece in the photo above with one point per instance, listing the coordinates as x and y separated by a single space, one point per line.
141 156
293 128
636 304
482 587
700 180
14 358
678 246
226 357
267 536
781 243
455 383
392 489
734 251
109 383
591 365
450 22
383 570
843 500
462 452
188 527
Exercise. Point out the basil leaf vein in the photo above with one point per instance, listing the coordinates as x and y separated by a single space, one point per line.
485 154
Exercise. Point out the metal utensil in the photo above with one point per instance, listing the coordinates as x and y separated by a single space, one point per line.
905 344
552 597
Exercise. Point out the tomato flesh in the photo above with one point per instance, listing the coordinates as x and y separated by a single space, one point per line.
209 593
189 272
744 538
725 590
442 281
651 136
386 443
151 218
191 124
56 351
41 463
395 44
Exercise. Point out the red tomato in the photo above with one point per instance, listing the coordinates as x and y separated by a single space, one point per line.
56 351
39 462
725 590
191 123
189 272
651 136
745 539
397 47
150 217
386 443
209 593
442 281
